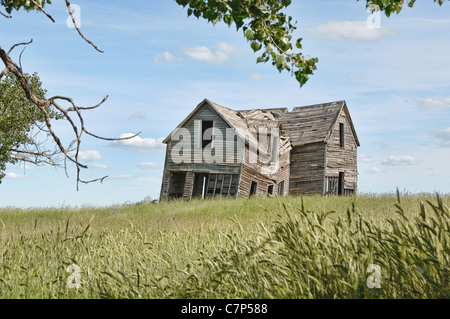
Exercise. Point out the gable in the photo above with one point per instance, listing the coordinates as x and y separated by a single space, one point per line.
314 123
203 112
311 124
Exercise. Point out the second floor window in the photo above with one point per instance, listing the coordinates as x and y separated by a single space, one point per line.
207 136
341 134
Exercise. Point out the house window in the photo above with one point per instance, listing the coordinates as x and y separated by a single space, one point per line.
281 188
253 188
341 134
207 136
270 190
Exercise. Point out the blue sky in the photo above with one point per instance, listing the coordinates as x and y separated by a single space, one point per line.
158 65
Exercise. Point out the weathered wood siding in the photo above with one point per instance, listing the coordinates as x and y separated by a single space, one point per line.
249 175
307 169
342 159
197 154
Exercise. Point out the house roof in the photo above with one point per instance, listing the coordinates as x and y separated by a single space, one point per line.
314 123
304 125
231 117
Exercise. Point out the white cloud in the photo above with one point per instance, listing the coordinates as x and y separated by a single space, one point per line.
433 103
400 161
26 166
138 116
354 78
148 165
256 76
364 158
14 176
221 55
89 156
100 166
166 56
374 170
145 145
349 31
443 135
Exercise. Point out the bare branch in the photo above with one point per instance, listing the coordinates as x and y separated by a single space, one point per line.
5 15
112 139
37 157
17 44
94 180
70 153
69 8
42 9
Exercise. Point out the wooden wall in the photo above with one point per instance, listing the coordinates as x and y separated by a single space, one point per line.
198 155
307 169
342 159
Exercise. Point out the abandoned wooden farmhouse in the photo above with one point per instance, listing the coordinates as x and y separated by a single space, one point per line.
220 151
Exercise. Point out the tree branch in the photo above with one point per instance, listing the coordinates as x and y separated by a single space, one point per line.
5 15
42 9
69 8
71 152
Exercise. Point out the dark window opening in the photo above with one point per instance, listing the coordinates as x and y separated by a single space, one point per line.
281 188
200 183
253 188
176 187
341 134
270 190
341 184
206 136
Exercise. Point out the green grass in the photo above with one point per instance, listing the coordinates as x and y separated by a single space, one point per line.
292 247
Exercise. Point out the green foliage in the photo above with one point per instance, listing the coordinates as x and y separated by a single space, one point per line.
392 6
25 4
311 247
264 25
18 116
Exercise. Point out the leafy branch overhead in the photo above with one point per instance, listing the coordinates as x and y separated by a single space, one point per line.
392 6
264 24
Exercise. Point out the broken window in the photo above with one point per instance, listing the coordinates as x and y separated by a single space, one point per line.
270 190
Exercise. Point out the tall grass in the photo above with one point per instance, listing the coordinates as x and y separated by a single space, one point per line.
293 247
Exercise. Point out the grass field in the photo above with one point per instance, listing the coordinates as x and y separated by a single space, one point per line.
292 247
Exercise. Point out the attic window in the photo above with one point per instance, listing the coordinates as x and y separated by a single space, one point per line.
341 134
206 135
